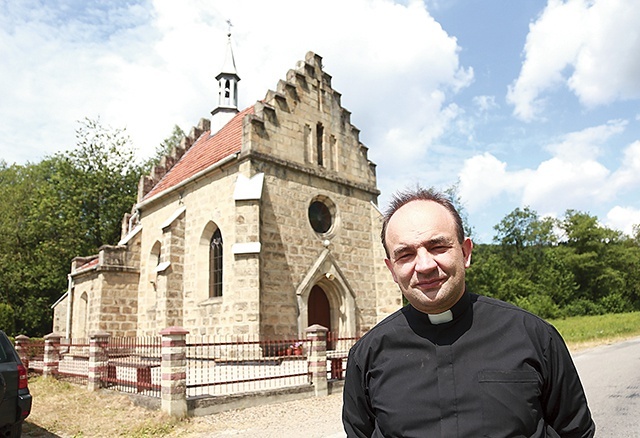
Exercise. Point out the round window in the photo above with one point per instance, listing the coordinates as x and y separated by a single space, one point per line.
320 217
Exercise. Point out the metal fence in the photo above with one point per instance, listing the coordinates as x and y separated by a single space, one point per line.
33 357
133 365
73 365
224 365
337 353
215 365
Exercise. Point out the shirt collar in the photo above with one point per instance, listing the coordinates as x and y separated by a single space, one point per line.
441 318
449 315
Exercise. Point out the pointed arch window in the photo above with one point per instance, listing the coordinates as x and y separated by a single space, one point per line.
319 146
215 265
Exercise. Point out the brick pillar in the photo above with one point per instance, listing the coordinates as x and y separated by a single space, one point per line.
22 342
174 371
51 354
317 358
98 359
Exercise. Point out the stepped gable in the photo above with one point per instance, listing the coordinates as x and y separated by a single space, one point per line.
207 150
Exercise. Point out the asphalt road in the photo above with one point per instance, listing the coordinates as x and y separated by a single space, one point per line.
610 375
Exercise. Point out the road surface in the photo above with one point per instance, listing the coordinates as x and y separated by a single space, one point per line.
610 375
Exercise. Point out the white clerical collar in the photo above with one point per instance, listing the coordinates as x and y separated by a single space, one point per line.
441 318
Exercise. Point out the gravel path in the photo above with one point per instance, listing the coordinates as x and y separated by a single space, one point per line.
315 417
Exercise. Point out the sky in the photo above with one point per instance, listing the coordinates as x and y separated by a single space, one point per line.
527 103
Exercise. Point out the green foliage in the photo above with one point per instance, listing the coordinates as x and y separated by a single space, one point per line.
541 305
523 228
572 266
165 148
67 205
453 194
7 319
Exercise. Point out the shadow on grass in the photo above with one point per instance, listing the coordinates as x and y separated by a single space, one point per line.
33 430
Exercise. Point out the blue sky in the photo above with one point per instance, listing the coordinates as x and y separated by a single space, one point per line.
521 103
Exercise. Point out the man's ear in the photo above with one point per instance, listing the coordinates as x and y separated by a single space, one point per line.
467 247
390 267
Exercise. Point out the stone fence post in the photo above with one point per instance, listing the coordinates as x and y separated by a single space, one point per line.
51 354
22 342
98 359
317 335
174 371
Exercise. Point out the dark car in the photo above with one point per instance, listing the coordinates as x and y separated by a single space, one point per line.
15 399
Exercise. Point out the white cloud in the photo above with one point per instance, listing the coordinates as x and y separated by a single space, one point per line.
572 178
485 103
623 218
157 69
557 184
586 144
627 176
484 178
589 46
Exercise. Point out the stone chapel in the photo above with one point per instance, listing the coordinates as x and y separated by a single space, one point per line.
264 221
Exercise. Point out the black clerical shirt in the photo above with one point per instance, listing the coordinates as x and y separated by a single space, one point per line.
494 370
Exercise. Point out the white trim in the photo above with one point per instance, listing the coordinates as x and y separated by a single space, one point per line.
246 248
131 235
162 266
173 217
248 189
64 295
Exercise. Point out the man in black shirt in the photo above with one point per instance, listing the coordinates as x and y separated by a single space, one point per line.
451 363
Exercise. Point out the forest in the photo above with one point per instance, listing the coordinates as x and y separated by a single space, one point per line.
72 203
557 268
67 205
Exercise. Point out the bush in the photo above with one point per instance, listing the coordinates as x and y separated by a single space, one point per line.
541 305
583 307
7 319
615 303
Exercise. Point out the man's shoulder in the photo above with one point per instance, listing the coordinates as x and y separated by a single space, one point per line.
388 324
494 305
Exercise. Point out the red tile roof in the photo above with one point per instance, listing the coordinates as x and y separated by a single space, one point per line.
206 151
88 265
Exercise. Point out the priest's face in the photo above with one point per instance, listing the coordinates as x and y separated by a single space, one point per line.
426 259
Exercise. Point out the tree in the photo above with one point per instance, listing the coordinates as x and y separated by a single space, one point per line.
168 144
591 255
65 206
523 228
98 181
452 193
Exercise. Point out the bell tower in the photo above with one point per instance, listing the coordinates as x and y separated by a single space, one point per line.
228 79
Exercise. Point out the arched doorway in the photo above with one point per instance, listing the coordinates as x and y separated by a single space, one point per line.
319 311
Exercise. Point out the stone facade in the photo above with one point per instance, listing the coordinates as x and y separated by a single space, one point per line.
296 155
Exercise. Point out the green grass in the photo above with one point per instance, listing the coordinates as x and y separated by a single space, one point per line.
580 330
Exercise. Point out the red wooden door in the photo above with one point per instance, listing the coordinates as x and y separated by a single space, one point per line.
319 311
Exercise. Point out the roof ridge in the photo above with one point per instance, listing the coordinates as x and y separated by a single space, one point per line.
205 151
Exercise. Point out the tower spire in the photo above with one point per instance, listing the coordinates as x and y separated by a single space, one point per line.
228 80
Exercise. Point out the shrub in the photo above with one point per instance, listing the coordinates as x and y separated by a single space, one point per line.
541 305
7 319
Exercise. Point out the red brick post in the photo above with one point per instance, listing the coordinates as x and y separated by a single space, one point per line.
98 359
22 342
174 371
317 357
51 354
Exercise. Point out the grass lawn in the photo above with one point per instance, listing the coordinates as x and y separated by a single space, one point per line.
586 331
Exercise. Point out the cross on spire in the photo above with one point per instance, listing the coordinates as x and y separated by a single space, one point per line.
229 28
